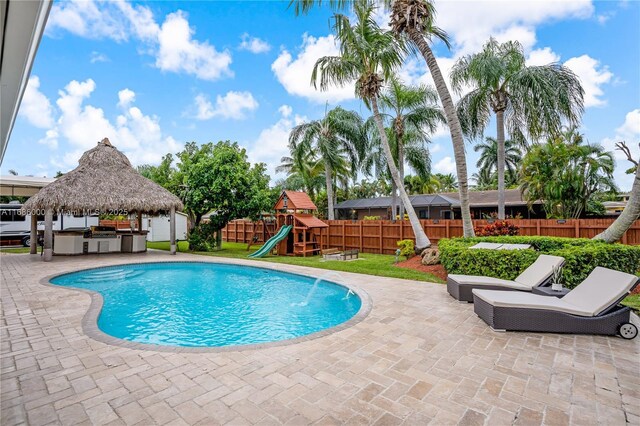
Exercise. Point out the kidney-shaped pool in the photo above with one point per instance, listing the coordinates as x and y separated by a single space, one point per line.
196 304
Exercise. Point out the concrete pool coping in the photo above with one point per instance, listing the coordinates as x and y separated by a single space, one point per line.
90 319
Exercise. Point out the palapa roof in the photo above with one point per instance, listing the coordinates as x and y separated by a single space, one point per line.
295 201
105 181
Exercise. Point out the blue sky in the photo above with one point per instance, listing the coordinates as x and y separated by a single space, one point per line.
154 75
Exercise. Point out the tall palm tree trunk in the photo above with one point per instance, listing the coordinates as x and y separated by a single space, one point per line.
401 172
422 241
394 200
630 214
501 162
454 127
328 178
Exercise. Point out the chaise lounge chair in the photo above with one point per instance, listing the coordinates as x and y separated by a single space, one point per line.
591 308
538 274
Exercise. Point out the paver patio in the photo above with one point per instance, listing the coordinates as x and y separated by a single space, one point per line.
419 357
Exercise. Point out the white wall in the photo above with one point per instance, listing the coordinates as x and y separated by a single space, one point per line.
158 227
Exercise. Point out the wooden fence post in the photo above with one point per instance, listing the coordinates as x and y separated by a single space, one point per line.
401 222
361 235
446 231
577 227
344 236
538 227
380 235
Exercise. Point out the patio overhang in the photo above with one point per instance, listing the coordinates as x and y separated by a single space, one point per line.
21 26
22 186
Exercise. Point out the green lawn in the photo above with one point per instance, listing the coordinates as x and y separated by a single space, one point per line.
15 250
371 264
633 301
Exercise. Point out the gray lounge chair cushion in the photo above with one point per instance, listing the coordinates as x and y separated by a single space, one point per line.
517 299
489 246
479 281
533 276
539 271
600 290
514 247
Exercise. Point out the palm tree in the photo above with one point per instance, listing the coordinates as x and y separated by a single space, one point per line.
302 165
531 101
414 20
413 113
448 182
485 180
565 173
412 149
368 56
334 137
489 158
631 212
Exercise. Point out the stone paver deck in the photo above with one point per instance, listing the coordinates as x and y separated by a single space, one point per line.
419 357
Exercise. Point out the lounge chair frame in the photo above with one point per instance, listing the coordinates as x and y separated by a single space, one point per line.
464 292
544 320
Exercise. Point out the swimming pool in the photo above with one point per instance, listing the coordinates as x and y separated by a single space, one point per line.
195 304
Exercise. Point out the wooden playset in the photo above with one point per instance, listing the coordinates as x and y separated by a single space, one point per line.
296 209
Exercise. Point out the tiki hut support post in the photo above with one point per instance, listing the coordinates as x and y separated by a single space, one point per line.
33 245
139 221
172 230
48 235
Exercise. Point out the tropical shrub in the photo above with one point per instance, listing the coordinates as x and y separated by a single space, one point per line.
407 248
371 218
581 256
501 227
202 237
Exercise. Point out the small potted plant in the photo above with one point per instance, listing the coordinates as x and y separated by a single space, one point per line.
556 279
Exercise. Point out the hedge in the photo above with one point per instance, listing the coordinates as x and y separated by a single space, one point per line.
581 256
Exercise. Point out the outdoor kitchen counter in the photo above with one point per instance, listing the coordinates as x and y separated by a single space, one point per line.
78 242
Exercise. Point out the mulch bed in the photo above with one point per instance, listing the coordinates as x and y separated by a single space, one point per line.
415 264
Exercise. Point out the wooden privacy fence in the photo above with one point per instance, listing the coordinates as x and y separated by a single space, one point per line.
120 224
381 236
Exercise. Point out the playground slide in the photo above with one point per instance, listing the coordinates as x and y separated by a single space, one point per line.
271 243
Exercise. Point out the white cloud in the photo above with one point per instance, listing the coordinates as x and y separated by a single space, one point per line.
233 105
446 165
35 106
178 52
86 19
273 142
285 110
629 132
98 57
171 43
50 139
295 74
126 97
253 44
542 56
470 24
81 126
593 76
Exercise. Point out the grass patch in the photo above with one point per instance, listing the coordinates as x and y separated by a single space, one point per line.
381 265
633 301
15 250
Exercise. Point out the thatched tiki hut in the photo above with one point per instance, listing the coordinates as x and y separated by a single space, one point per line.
103 182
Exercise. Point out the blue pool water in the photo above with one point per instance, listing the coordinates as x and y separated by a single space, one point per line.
205 304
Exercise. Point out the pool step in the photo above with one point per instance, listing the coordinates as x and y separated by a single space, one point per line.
111 275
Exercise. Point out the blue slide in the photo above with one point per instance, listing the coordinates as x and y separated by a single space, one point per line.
271 243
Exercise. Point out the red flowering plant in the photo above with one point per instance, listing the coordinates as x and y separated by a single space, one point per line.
498 228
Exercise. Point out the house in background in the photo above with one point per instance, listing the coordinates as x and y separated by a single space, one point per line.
614 208
443 206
